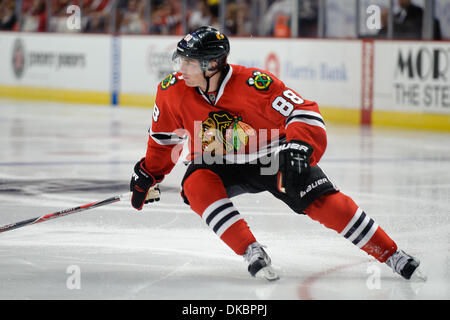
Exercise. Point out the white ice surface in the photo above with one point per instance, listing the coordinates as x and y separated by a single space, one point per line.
56 156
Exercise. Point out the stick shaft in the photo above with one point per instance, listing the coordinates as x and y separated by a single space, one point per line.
61 213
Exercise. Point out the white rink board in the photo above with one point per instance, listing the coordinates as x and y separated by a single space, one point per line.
145 61
412 76
56 61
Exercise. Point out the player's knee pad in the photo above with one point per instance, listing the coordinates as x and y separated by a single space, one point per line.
201 188
333 210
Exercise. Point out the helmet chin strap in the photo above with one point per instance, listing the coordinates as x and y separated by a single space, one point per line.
222 69
207 78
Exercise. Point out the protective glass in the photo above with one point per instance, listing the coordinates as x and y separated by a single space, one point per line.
185 65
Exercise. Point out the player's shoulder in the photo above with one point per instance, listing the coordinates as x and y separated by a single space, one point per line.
259 79
170 83
170 89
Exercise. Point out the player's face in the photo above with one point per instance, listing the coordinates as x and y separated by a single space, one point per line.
191 71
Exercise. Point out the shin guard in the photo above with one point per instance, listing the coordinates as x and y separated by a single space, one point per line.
208 198
340 213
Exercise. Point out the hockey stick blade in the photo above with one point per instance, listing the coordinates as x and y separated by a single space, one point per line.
64 212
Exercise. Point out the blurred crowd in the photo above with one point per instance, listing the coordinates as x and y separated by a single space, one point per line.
169 17
408 22
123 16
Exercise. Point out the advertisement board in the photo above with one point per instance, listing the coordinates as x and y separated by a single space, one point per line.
373 82
144 62
412 77
53 64
412 84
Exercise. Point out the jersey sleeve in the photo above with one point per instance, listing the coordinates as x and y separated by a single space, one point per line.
300 118
165 139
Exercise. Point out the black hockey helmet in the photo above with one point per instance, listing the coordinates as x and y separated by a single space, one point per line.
205 44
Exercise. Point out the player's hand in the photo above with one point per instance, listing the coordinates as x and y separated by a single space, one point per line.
294 166
143 185
154 194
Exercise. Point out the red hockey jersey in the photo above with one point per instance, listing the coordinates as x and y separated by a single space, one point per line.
251 110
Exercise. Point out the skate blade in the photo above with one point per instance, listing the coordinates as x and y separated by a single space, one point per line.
267 273
418 276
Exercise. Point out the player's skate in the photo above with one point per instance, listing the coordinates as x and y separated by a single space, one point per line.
259 263
405 265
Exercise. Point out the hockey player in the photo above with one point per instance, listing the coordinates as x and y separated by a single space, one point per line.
241 123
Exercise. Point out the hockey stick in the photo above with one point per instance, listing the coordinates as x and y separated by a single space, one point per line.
64 212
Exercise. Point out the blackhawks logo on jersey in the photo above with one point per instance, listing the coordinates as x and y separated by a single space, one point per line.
261 81
222 132
168 81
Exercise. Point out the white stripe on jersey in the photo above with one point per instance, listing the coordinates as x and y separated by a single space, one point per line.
221 215
165 138
360 229
228 224
311 122
350 224
306 116
304 112
368 236
213 206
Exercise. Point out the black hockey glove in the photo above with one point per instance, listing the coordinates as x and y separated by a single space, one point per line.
294 166
143 185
